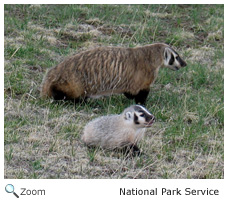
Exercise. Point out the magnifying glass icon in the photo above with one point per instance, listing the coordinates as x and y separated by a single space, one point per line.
10 189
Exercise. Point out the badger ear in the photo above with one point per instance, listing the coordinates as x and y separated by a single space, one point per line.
128 115
167 53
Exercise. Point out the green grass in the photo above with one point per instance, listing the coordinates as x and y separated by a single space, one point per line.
42 137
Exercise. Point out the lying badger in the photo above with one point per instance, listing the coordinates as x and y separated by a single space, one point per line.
119 131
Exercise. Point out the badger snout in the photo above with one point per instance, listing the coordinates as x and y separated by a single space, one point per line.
183 63
151 119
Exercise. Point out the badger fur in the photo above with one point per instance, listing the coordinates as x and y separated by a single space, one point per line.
118 131
105 71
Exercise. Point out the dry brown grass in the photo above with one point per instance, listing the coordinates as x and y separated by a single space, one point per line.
45 148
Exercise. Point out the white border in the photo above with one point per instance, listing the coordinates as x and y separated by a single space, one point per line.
108 190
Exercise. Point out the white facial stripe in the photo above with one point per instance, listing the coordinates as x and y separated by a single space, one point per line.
144 109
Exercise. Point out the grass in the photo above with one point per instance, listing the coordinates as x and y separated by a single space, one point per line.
42 137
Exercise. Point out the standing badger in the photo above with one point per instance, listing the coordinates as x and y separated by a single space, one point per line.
119 131
105 71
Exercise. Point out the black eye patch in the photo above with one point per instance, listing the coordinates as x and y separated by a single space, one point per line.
142 113
136 119
172 59
182 63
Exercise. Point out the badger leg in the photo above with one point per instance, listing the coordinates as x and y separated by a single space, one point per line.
142 96
65 93
135 151
129 96
57 94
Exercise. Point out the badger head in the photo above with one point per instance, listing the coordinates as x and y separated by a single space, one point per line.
172 59
139 117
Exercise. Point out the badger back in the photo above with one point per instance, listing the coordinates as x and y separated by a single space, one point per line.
105 69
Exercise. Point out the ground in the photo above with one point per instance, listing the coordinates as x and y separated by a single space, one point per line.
42 137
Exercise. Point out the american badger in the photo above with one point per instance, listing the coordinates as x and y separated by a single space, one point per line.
105 71
118 131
